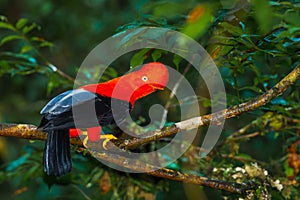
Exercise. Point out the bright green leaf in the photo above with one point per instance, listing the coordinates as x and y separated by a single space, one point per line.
10 38
234 30
168 9
46 44
157 53
263 14
287 169
138 58
21 23
200 25
27 29
243 155
5 25
25 49
176 60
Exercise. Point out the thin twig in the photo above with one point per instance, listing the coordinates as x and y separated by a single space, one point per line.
256 133
172 95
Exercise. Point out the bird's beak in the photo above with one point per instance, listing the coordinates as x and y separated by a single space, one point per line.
157 86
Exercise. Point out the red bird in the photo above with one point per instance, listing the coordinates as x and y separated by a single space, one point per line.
59 114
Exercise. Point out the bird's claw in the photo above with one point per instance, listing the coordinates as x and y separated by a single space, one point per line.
107 138
86 139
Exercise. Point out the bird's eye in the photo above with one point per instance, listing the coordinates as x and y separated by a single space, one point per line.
144 78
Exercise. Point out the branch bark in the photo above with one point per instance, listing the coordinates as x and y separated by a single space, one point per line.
28 131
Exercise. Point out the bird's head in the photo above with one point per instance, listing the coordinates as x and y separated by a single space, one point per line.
142 81
134 85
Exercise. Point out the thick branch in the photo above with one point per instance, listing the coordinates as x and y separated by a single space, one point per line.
28 131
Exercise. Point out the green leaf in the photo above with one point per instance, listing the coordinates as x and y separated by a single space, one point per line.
18 56
27 29
46 44
25 49
3 18
246 41
176 60
31 172
4 67
234 30
287 169
10 38
168 9
53 83
21 22
243 155
223 39
36 39
196 28
138 58
41 42
263 14
5 25
157 53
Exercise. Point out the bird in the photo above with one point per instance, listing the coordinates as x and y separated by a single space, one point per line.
71 111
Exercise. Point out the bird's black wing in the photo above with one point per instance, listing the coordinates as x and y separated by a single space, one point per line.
82 109
64 102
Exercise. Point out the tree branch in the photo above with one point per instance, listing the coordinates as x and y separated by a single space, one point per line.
28 131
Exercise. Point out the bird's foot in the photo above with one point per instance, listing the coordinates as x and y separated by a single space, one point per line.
85 140
91 134
107 138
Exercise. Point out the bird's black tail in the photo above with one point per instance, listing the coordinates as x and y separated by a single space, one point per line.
57 157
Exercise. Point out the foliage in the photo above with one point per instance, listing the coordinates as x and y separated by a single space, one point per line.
22 54
254 44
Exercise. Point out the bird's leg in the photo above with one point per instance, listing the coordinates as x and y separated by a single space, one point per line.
93 133
75 132
94 136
